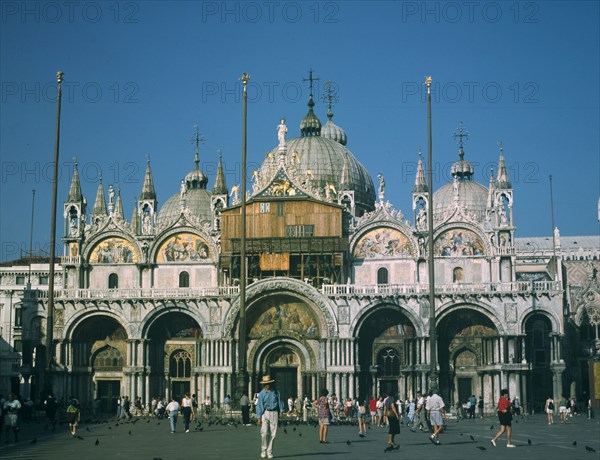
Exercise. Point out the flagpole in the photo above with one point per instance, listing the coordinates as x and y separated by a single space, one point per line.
50 314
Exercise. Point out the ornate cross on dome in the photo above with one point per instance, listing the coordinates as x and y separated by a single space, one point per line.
197 139
501 146
461 135
330 97
310 79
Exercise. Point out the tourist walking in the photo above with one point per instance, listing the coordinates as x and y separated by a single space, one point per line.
562 409
173 410
245 407
125 408
472 406
379 406
362 415
504 417
480 407
11 409
50 406
268 407
187 410
437 413
73 416
549 409
324 414
207 407
393 417
373 409
420 414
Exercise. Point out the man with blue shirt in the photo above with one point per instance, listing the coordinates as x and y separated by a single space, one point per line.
268 407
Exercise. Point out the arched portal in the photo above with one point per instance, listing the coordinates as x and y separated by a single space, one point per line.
283 339
98 355
466 341
173 353
538 354
388 349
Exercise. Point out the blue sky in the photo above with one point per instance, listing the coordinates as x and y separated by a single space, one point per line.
140 75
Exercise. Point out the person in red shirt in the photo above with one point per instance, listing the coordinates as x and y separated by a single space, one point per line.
505 418
373 410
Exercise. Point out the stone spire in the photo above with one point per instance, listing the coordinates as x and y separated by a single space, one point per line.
502 181
135 218
100 204
491 190
148 192
75 195
220 187
119 206
420 181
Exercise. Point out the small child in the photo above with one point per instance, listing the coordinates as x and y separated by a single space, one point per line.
73 416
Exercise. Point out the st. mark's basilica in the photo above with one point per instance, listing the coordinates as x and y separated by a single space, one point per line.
337 287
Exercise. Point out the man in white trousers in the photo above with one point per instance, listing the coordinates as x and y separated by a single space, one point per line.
268 407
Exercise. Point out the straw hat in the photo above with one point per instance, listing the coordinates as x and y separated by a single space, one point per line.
266 379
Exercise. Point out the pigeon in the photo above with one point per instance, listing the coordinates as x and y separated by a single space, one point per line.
472 438
574 443
87 429
294 428
285 431
492 427
388 449
348 442
590 449
110 427
481 448
80 438
529 441
33 441
361 435
97 442
129 432
299 434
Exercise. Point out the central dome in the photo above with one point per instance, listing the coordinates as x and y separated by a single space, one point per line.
321 161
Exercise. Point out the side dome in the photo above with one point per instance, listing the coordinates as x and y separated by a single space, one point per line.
472 199
193 196
334 132
197 200
464 193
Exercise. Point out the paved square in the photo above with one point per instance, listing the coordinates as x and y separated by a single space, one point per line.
148 438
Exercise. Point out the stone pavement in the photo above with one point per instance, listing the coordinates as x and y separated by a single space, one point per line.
151 439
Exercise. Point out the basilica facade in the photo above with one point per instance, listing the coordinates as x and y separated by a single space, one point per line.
337 295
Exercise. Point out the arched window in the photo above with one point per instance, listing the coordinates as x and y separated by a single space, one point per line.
109 359
180 364
113 281
457 275
388 363
184 279
382 276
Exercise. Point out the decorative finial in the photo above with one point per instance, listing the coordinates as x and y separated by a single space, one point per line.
75 160
310 81
501 147
428 83
420 151
197 139
330 97
245 77
148 159
462 135
59 77
220 154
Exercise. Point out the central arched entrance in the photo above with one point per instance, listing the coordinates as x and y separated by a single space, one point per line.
283 339
173 354
388 349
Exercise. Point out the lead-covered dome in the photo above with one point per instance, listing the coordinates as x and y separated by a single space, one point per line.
193 195
463 192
